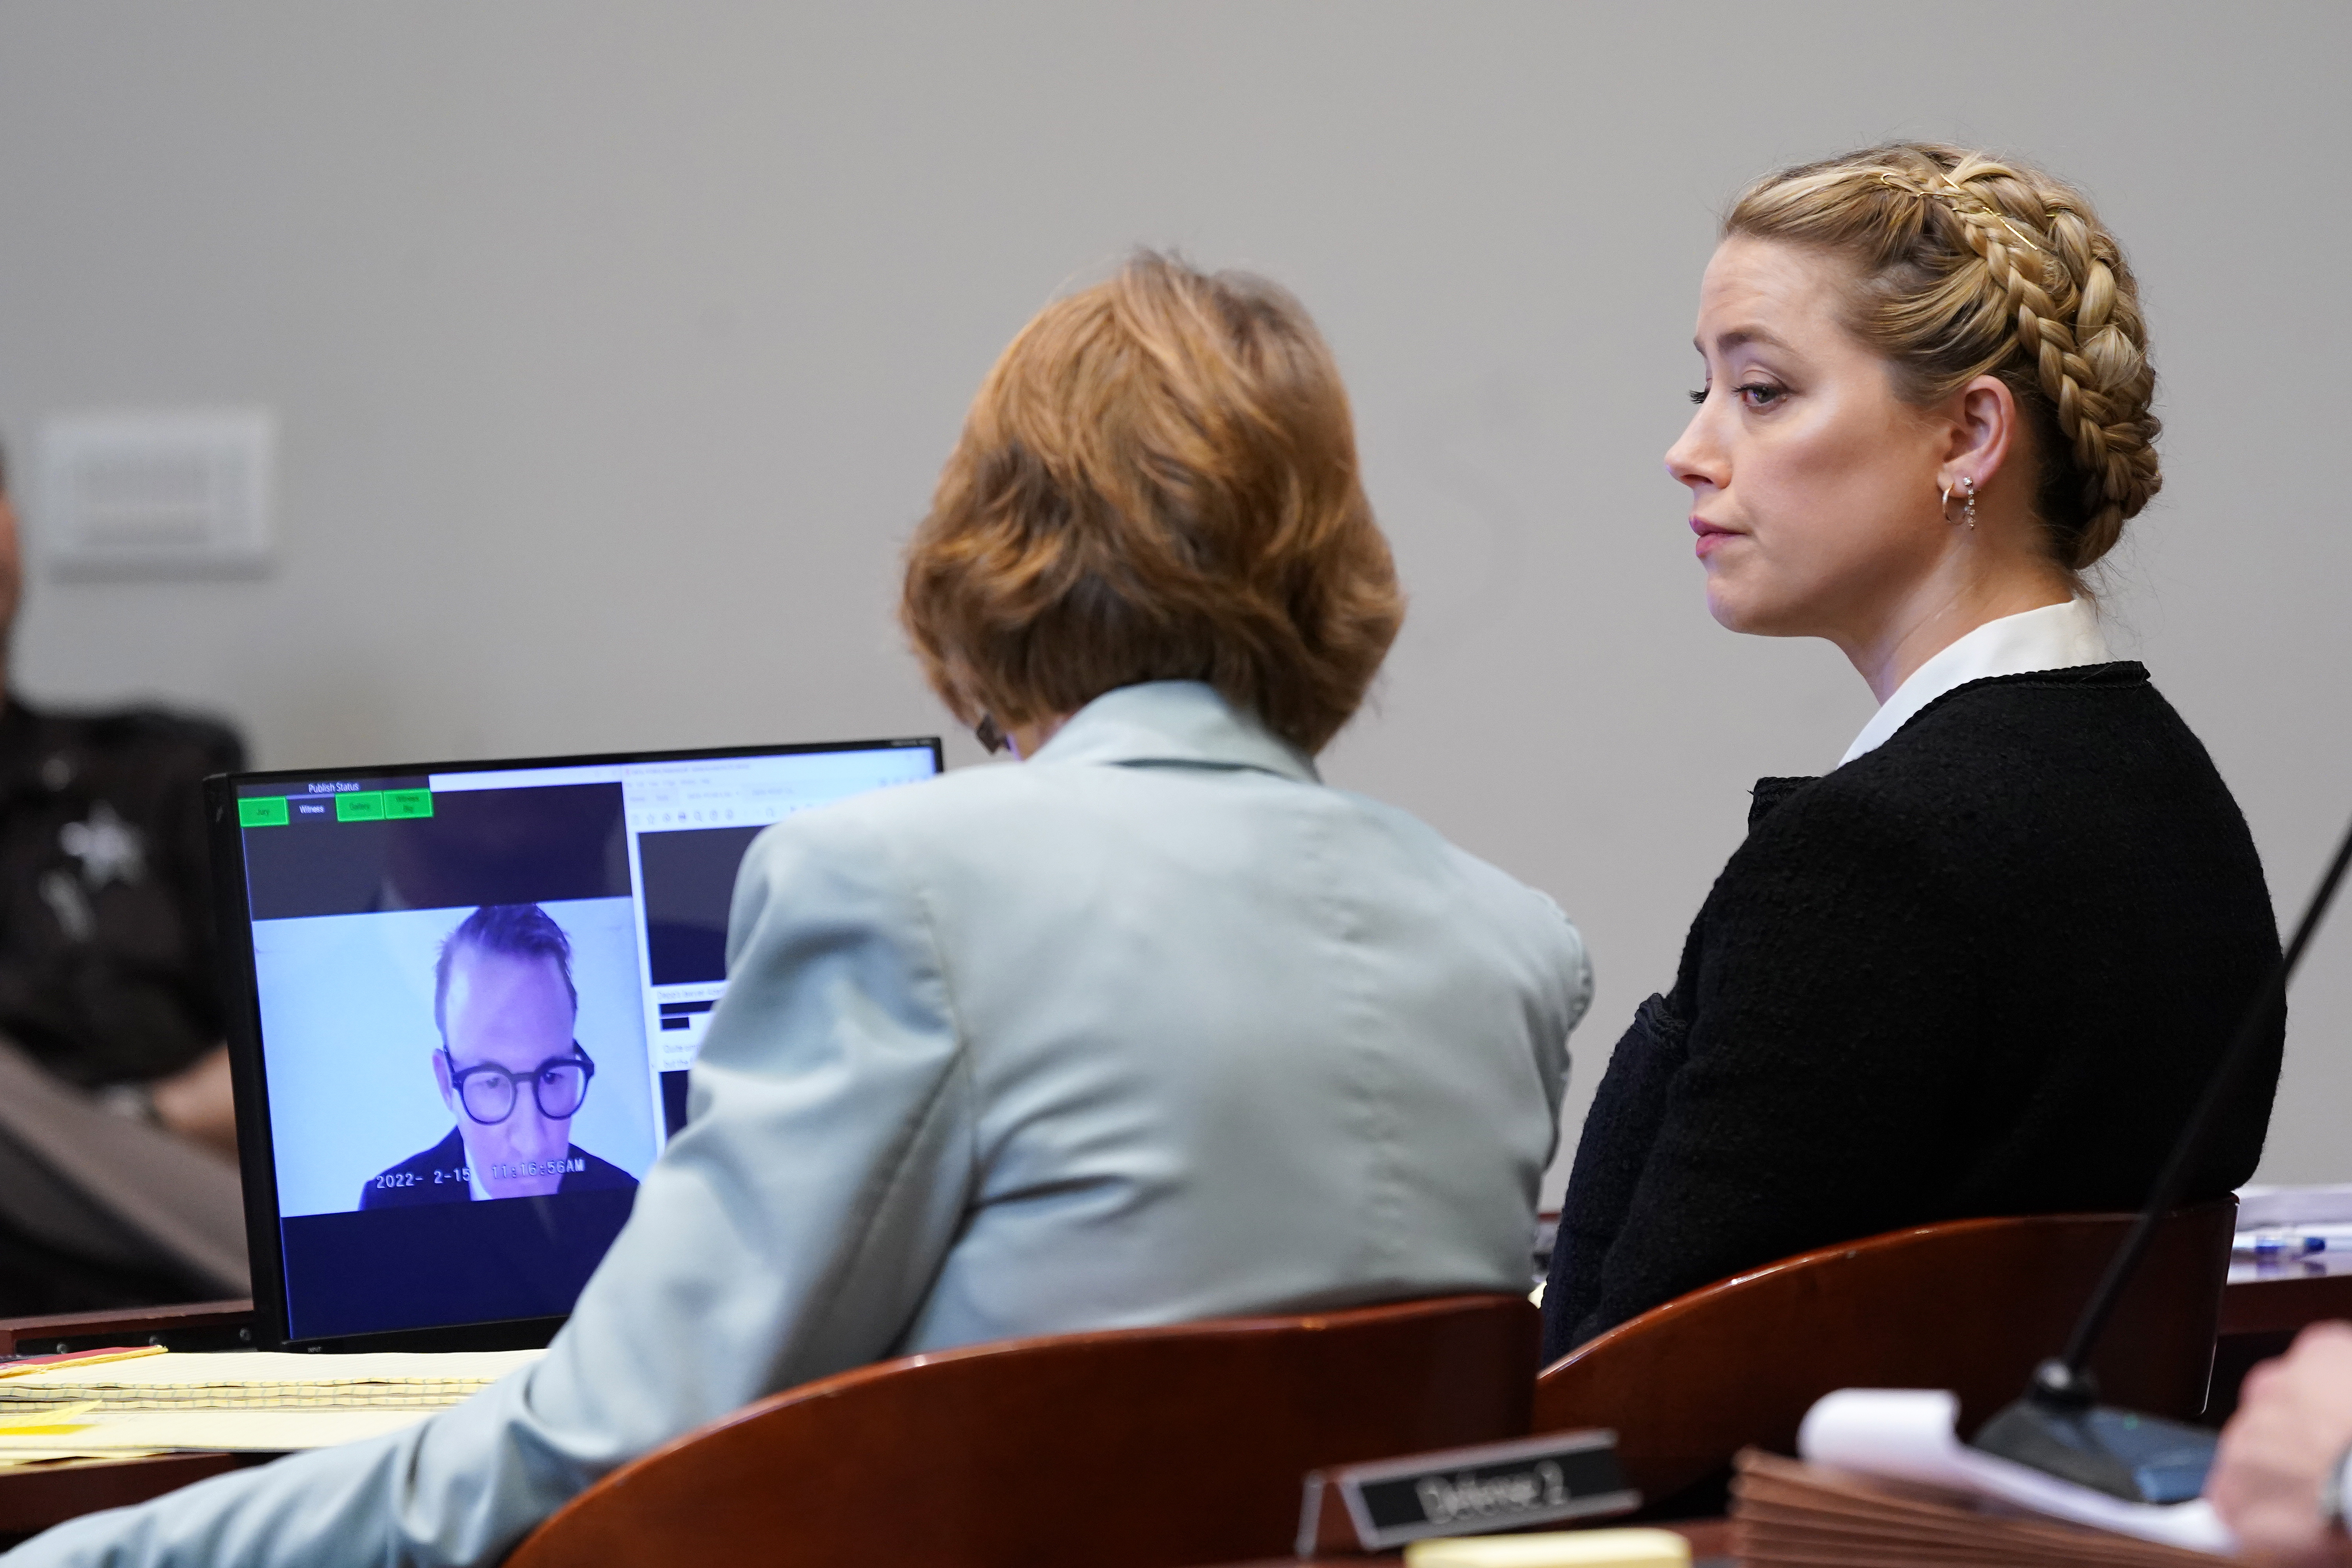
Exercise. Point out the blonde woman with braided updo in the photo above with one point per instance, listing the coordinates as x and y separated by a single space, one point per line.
1986 964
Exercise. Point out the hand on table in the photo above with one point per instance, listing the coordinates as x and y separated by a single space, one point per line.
2293 1425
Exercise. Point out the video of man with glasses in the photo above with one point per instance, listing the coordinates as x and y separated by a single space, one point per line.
510 1067
453 1009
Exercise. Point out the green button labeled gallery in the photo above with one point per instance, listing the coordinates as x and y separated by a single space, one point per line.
360 805
381 805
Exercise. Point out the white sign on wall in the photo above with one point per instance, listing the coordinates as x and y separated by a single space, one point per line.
162 493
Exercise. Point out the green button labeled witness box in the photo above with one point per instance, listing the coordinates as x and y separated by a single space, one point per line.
408 802
362 806
261 811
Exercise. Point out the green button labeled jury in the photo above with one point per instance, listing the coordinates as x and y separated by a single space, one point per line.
261 811
366 805
408 802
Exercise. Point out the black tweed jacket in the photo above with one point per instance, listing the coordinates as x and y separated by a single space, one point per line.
1985 969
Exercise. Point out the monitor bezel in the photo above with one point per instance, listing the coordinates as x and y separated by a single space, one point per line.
248 1074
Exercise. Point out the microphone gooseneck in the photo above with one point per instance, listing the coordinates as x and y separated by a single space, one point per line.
2059 1427
2174 1180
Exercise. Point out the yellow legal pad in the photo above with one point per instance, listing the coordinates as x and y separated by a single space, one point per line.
233 1431
95 1358
265 1380
1555 1549
47 1423
242 1401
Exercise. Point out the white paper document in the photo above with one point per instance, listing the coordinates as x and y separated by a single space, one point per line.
1911 1435
2260 1207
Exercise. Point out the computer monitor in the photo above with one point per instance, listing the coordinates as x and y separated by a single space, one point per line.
464 1000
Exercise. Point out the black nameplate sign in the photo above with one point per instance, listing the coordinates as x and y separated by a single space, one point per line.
1465 1491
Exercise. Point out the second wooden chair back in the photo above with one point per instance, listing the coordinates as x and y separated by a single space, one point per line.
1970 1305
1134 1448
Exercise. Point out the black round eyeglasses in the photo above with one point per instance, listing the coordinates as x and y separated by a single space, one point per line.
487 1092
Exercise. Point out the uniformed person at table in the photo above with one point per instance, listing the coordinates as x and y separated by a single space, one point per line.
118 1185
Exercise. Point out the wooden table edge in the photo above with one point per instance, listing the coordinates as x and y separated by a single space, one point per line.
2283 1305
35 1496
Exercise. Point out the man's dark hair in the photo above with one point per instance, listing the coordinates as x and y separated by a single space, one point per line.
518 931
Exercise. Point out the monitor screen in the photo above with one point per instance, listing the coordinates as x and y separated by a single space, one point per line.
477 993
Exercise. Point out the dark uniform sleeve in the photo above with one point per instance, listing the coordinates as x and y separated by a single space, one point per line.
1801 1087
108 954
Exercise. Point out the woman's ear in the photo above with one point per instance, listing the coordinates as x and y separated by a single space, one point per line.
1984 427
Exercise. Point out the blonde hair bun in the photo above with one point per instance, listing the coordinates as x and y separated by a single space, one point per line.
1976 266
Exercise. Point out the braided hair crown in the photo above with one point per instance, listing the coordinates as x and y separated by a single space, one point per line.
1971 265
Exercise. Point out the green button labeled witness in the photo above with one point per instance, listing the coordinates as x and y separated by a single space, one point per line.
261 811
365 805
408 802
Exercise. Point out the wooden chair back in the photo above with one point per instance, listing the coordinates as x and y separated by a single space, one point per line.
1971 1305
1132 1448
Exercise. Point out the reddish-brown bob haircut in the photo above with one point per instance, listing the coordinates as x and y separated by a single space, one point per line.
1156 482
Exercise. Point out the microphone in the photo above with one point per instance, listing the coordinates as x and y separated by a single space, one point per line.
2059 1427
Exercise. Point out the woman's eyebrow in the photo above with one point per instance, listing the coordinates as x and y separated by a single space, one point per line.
1739 336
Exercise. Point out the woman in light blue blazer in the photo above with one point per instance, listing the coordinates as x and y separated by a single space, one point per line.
1154 1027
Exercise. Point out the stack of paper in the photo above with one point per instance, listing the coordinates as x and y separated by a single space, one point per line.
126 1404
1910 1435
1789 1514
262 1380
2287 1225
2260 1207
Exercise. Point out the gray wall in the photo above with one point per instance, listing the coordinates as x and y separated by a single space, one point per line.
616 346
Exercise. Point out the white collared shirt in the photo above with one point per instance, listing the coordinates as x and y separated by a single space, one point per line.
2055 637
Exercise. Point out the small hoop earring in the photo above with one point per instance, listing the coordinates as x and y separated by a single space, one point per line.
1967 487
